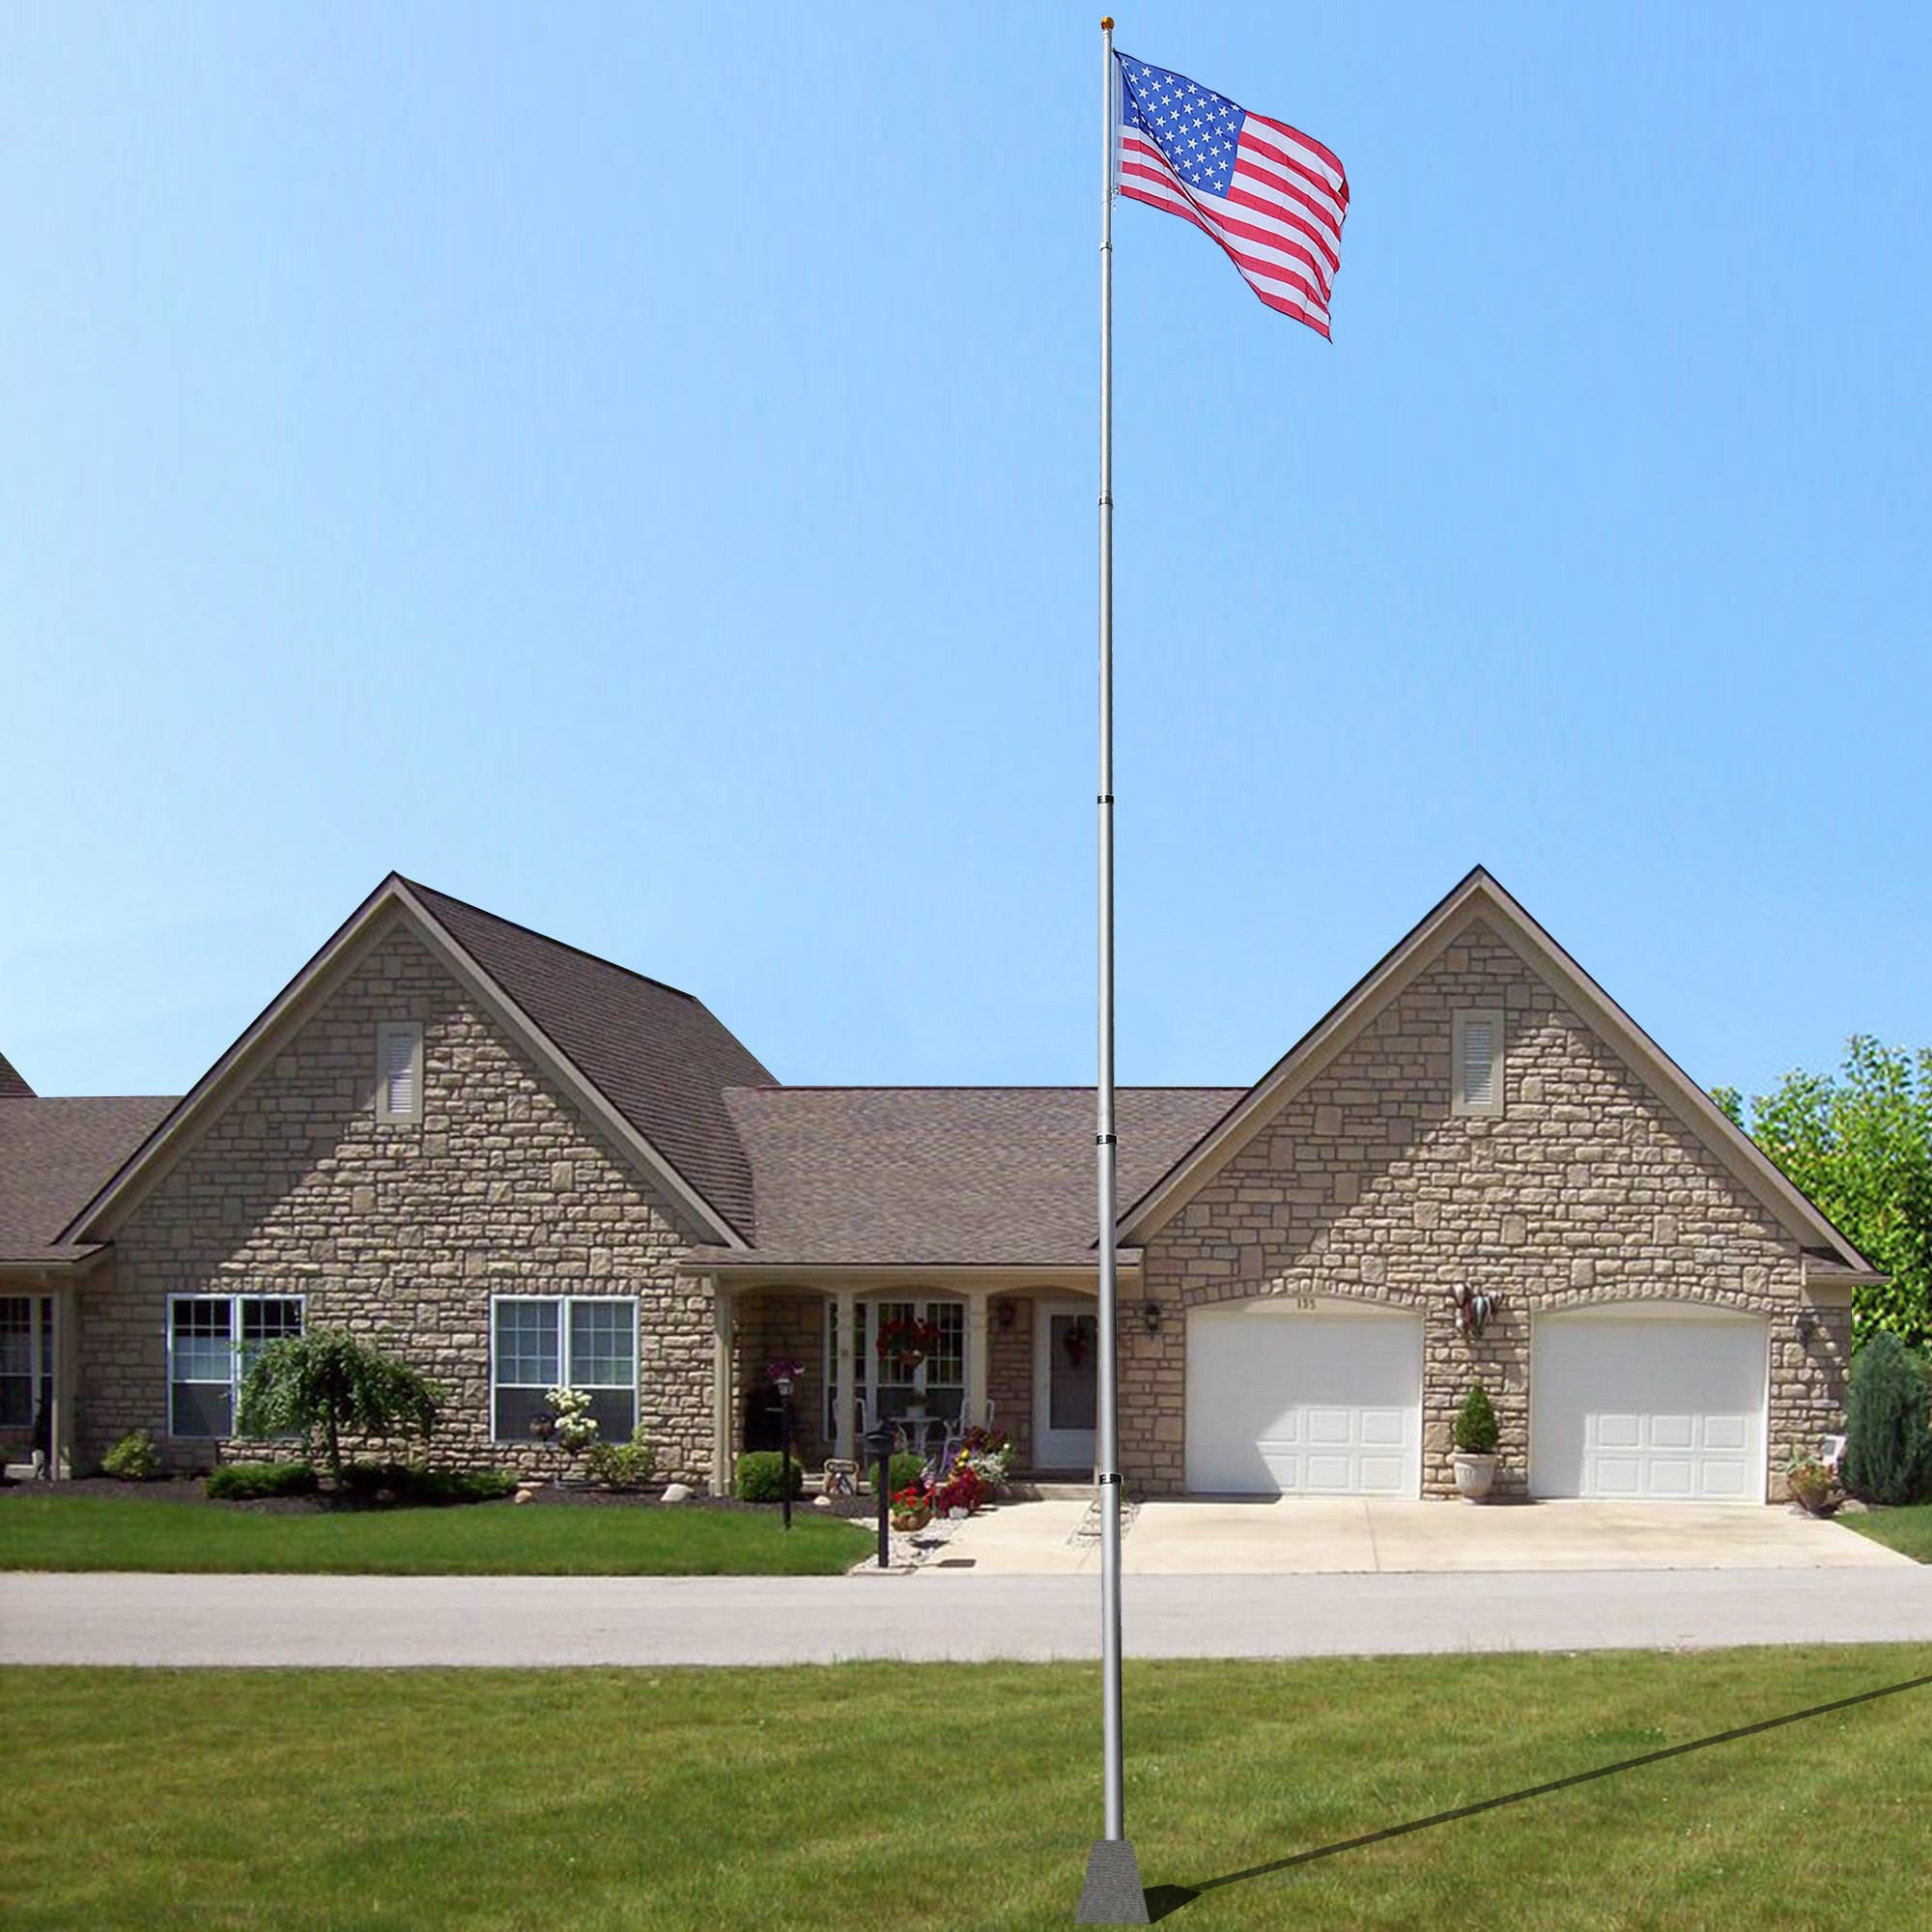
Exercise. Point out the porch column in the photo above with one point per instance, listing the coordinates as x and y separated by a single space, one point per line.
61 1431
976 1355
846 1315
720 1389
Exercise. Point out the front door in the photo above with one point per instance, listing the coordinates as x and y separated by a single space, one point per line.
1066 1381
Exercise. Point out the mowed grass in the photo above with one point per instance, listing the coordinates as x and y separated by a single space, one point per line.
476 1539
965 1795
1908 1529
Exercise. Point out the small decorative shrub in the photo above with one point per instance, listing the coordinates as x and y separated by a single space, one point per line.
133 1458
251 1482
1887 1432
1476 1430
904 1471
574 1426
325 1385
1811 1483
762 1480
621 1465
416 1485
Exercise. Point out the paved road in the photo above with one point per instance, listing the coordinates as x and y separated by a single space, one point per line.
401 1621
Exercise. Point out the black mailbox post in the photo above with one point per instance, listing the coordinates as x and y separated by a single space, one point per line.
878 1441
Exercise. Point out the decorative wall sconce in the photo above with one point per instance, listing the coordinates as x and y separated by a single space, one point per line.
1005 1314
1473 1310
1151 1317
1807 1327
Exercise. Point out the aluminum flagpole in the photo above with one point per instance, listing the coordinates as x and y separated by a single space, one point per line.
1112 1894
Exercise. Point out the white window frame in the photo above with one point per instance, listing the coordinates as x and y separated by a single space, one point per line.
40 1343
1460 1101
235 1303
386 1032
563 1303
865 1319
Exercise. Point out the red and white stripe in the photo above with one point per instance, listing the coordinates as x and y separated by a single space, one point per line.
1280 222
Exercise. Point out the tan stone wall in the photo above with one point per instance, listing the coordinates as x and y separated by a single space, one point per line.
401 1232
1010 1373
1585 1189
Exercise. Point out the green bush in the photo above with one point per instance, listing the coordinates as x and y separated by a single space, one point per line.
416 1485
1887 1430
621 1465
324 1386
250 1482
1476 1430
904 1471
759 1477
133 1458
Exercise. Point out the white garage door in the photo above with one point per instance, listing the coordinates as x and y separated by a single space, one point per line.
1284 1398
1652 1402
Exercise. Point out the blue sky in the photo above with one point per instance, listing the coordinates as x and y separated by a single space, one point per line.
634 470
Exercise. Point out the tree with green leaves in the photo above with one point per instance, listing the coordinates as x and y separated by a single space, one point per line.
1860 1143
324 1386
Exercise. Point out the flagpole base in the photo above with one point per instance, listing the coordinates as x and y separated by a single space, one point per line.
1112 1894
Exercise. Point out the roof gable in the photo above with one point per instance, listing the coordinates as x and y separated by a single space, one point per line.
587 1023
12 1086
1477 898
53 1154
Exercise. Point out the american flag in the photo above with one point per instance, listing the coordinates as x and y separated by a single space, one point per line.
1272 198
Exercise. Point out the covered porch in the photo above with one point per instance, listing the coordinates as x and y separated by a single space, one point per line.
37 1377
934 1352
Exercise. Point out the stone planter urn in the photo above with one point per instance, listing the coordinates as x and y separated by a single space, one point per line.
1473 1475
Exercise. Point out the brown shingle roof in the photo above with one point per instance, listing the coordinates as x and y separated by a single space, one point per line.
659 1057
12 1086
909 1175
53 1155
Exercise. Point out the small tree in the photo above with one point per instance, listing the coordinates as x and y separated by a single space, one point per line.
1476 1430
1888 1430
324 1386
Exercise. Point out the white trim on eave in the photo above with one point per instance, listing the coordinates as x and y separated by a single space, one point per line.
392 901
1479 897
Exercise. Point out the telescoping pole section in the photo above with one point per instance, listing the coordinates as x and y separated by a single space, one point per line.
1112 1894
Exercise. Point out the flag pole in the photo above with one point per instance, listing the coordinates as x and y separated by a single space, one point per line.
1112 1894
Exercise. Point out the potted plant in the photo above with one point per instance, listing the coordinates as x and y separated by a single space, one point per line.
1475 1457
1813 1485
912 1508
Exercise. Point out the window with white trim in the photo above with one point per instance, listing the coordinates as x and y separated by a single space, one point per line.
213 1343
541 1342
1476 1075
26 1357
399 1070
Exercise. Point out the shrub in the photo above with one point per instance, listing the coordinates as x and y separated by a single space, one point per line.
416 1484
324 1386
760 1479
621 1465
1476 1430
904 1471
1888 1434
133 1458
250 1482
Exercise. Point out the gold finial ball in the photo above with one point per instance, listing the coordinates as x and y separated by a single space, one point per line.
1107 23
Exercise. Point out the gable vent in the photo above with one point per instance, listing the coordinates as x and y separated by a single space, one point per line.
399 1072
1478 1064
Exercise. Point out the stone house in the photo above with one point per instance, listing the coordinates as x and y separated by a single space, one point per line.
518 1165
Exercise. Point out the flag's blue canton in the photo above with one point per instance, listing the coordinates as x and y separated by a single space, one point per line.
1195 127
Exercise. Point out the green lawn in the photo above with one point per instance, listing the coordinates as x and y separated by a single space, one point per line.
964 1796
1909 1529
478 1540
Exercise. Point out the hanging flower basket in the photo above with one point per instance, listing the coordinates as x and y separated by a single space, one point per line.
907 1340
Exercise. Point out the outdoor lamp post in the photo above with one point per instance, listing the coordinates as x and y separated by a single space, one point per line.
785 1373
879 1447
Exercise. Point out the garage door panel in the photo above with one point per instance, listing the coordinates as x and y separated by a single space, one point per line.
1657 1405
1283 1400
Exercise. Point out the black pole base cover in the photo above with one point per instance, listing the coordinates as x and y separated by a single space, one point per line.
1112 1894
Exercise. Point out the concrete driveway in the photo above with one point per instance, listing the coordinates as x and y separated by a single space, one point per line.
1314 1536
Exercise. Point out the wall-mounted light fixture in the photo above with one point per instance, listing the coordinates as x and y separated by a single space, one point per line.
1150 1316
1473 1309
1005 1314
1807 1325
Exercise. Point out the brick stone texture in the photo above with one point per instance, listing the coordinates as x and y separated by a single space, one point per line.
402 1233
1587 1189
